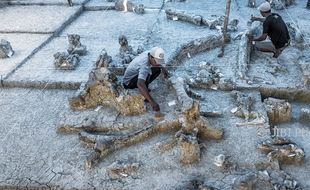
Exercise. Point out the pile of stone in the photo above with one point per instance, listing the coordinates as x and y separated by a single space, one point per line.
103 89
70 60
245 105
282 150
125 5
305 69
281 4
207 77
296 35
304 115
6 50
278 111
123 169
126 52
66 61
103 60
75 46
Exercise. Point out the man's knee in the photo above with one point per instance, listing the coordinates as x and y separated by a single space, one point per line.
264 46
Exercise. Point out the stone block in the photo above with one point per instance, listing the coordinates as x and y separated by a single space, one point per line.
6 50
278 111
103 89
64 61
75 46
304 115
305 69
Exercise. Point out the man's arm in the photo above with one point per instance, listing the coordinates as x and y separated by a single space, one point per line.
253 18
144 91
261 38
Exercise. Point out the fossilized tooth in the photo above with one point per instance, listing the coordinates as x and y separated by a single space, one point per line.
219 160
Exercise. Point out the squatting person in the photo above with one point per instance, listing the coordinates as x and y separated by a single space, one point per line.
273 27
142 70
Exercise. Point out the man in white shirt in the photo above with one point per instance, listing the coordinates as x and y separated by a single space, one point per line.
142 70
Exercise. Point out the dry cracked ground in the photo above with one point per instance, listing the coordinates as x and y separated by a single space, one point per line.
239 122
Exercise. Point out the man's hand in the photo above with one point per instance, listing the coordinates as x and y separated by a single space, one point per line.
155 106
253 18
143 90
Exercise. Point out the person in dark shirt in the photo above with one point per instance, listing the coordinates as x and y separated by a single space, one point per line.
273 27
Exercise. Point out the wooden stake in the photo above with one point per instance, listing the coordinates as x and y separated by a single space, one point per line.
228 2
70 3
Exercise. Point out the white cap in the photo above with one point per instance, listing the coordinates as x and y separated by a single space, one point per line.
264 7
159 55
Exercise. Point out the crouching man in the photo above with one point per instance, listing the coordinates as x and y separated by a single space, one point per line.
273 27
144 69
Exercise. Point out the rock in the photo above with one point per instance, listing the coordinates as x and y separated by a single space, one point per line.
139 9
278 111
103 60
214 21
296 35
245 182
124 5
190 150
122 169
103 89
183 16
226 84
64 61
207 77
305 69
75 46
219 160
281 4
287 154
233 25
252 3
282 150
290 184
6 50
304 115
126 52
245 105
